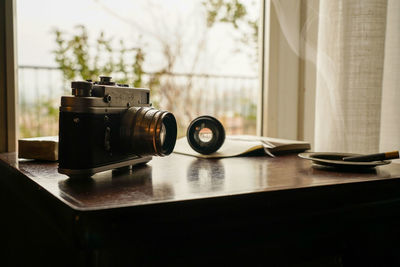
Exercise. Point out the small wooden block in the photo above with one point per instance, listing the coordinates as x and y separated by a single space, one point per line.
42 148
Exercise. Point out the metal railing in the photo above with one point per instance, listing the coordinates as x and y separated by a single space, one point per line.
232 99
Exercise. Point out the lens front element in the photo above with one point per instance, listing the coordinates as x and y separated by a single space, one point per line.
205 135
147 131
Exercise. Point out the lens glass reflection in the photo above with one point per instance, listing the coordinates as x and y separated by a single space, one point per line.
163 133
205 135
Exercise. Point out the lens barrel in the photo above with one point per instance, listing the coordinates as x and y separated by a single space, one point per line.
146 131
215 134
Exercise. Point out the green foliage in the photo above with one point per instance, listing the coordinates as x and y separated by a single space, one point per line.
137 67
78 59
227 11
65 63
234 12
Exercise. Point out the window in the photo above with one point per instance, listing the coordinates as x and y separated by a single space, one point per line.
201 58
197 57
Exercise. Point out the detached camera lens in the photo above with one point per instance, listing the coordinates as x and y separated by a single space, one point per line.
205 134
147 131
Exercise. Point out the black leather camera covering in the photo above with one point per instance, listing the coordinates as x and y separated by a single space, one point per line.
90 140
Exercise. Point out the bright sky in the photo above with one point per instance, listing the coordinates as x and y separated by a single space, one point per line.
139 23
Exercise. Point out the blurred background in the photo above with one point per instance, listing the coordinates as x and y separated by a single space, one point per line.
198 57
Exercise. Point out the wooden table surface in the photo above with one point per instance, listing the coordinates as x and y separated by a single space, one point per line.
180 210
179 178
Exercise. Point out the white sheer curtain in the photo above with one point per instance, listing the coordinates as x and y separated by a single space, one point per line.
358 79
390 115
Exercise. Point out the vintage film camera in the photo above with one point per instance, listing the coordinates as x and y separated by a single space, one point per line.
106 126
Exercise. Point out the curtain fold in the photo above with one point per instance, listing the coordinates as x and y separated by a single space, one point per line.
352 65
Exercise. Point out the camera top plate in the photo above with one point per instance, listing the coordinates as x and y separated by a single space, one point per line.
87 96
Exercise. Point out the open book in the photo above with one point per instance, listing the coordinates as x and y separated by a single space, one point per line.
241 145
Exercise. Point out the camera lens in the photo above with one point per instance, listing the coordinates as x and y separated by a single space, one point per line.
147 131
205 134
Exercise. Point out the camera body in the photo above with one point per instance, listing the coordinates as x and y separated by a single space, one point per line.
105 126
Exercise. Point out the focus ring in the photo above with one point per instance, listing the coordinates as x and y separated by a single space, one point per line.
141 128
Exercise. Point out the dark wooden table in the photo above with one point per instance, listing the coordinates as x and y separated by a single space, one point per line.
180 210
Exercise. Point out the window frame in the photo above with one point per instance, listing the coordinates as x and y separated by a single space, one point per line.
287 81
8 78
